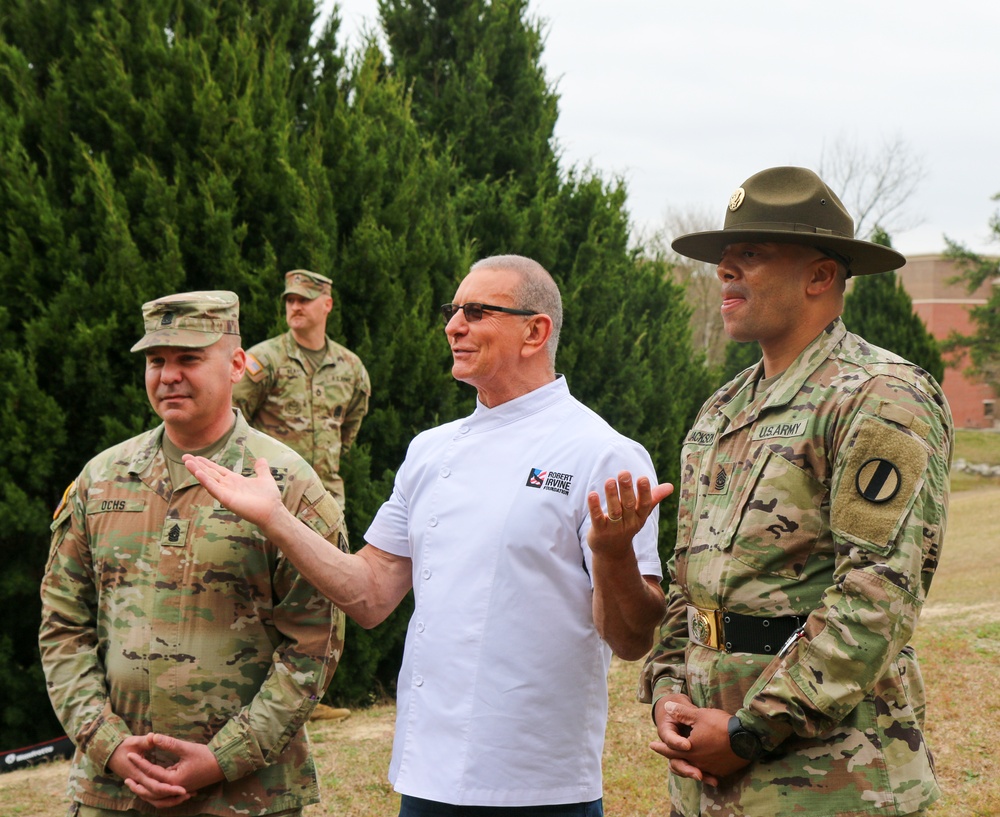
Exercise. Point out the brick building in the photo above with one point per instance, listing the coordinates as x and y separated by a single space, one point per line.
944 307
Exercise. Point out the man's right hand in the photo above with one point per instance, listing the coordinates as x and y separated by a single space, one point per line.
258 501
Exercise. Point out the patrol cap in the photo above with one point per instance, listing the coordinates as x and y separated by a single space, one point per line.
192 319
790 205
307 284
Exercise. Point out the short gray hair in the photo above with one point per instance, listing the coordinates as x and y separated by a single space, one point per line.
536 290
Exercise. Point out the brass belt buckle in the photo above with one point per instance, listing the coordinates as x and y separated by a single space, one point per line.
705 627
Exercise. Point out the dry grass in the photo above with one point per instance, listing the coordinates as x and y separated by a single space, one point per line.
959 646
981 446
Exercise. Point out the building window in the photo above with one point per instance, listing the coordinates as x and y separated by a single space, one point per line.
988 408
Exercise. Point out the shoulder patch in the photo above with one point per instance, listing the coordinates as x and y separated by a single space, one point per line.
877 485
64 500
255 369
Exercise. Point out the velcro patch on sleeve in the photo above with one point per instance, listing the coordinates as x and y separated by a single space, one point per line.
324 517
255 369
329 511
907 419
877 485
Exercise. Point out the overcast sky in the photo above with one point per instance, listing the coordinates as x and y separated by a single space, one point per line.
685 100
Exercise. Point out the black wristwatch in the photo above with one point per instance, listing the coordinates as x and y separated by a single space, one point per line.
743 742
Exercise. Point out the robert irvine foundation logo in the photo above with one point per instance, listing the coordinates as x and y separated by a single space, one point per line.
549 480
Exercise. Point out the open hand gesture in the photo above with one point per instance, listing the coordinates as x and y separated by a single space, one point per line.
255 500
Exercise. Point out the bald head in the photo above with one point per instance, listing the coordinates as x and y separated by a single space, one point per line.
535 290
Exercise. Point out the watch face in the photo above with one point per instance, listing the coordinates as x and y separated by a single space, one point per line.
742 741
745 745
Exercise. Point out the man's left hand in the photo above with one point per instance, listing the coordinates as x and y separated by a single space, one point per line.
611 533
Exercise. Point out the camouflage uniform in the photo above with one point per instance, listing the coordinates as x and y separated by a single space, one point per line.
317 415
780 516
164 612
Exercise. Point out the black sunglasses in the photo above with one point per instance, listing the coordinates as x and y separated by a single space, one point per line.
474 312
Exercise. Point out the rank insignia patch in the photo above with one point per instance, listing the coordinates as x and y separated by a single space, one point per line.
721 478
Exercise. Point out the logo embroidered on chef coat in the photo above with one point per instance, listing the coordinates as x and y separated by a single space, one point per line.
549 480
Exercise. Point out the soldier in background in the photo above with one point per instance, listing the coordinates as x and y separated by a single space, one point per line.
813 504
304 389
182 651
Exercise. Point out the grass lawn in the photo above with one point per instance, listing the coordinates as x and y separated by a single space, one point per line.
958 642
978 446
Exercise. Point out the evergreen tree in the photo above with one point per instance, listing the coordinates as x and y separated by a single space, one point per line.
480 92
878 309
156 146
478 84
153 147
479 88
983 344
739 356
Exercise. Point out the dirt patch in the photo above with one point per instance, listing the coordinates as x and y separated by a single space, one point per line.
377 723
967 612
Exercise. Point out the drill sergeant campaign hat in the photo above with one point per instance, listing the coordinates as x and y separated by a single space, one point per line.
790 205
191 319
307 284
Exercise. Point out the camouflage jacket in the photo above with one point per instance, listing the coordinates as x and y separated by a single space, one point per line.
163 612
317 415
778 517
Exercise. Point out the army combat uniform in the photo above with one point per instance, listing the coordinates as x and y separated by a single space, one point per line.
164 612
317 414
812 512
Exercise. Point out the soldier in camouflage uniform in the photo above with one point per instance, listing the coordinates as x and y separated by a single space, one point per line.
304 389
813 504
183 653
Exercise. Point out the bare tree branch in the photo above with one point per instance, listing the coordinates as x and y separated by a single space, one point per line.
874 186
701 284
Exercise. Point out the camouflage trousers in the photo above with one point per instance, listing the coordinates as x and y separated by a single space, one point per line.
80 810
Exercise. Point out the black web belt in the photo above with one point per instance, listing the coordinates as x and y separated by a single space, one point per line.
732 632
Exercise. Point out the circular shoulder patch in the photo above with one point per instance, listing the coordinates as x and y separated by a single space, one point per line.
878 480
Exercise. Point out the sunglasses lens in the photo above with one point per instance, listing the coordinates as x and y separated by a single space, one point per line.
448 311
473 312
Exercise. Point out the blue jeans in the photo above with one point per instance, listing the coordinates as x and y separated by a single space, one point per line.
415 807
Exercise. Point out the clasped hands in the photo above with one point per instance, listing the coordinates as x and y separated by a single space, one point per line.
164 786
695 740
